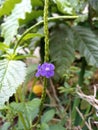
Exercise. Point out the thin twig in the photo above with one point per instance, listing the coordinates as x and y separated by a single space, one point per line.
55 95
89 127
89 121
89 98
52 100
50 105
95 91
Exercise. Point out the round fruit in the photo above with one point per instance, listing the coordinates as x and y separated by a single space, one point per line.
37 89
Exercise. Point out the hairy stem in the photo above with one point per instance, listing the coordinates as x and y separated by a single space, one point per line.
42 101
46 58
46 32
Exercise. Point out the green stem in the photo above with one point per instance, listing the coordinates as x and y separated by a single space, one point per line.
42 102
43 94
46 58
34 82
23 121
20 114
16 98
90 16
80 82
87 111
82 72
46 32
41 22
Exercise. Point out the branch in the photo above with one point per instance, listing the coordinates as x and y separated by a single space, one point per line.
41 22
89 98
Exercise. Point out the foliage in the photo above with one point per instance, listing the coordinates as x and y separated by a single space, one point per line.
73 49
7 7
87 44
9 78
28 110
62 38
11 24
77 39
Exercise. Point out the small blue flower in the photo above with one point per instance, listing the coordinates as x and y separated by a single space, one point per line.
45 70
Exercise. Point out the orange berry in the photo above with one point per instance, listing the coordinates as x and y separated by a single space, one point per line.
37 89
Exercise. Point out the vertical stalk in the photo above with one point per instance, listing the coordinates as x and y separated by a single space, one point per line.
46 57
42 100
46 32
20 114
23 121
82 72
90 16
80 82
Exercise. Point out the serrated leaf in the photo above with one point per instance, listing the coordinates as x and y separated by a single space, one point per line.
30 16
62 48
28 109
10 26
7 6
12 74
86 43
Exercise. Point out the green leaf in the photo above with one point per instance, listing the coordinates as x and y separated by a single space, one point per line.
31 35
64 6
37 2
86 43
12 74
47 116
11 24
20 57
30 72
7 6
57 127
78 5
84 105
30 16
3 46
44 127
62 48
28 109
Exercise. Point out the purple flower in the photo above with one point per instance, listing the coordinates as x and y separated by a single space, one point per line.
45 70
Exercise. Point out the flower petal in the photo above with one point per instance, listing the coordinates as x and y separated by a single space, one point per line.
52 67
49 74
46 70
37 74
